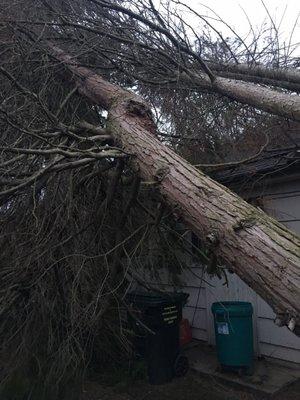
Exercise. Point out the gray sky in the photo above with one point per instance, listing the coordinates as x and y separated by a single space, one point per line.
283 12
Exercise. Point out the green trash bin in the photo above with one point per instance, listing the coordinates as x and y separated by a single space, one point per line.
161 313
234 335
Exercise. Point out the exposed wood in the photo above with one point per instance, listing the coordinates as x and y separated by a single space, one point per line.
264 253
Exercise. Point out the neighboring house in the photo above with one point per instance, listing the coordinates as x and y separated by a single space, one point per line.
271 182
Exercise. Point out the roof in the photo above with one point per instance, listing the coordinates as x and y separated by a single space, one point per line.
269 163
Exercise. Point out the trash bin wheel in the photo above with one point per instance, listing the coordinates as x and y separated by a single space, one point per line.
181 365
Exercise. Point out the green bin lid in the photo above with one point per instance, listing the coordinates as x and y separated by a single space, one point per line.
232 308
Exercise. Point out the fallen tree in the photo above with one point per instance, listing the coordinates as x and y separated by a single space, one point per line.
174 59
264 98
264 253
70 177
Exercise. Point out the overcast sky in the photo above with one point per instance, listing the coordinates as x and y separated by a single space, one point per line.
283 12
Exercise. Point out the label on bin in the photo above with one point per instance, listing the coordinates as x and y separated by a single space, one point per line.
170 314
222 328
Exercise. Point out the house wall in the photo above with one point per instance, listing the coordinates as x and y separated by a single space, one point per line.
283 202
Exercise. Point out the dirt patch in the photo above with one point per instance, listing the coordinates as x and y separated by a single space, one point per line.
191 387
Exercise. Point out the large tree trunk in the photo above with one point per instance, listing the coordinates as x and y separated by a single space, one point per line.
286 78
261 97
264 253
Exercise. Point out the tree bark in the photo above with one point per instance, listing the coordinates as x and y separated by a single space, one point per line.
278 75
261 97
264 253
291 86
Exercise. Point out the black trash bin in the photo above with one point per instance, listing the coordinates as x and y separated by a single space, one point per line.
161 313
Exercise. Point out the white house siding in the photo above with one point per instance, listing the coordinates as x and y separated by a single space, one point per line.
196 310
283 202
